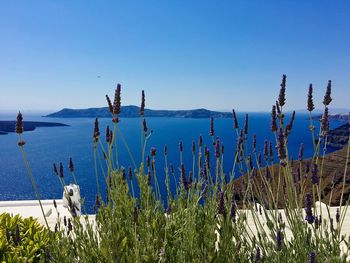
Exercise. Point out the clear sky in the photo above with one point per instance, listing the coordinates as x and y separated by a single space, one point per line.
185 54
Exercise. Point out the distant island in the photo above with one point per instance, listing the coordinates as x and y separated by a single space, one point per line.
339 117
9 126
134 111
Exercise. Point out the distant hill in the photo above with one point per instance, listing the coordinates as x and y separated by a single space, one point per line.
333 172
9 126
332 111
339 137
134 111
339 117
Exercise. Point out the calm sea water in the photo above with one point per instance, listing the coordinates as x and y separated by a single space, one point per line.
46 146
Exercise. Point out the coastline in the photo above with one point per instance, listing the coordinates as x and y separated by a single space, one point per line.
9 126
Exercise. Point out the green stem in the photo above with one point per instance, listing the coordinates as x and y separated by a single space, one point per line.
116 148
344 176
156 179
127 148
132 188
193 164
167 181
33 183
96 172
143 152
101 166
312 129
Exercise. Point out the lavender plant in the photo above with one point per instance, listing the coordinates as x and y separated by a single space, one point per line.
268 214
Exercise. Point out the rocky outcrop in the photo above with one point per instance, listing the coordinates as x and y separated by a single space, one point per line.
339 137
333 173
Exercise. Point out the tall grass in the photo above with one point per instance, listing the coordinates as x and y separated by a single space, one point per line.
269 214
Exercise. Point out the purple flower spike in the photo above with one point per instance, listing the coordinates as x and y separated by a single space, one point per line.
142 108
207 157
144 124
55 169
148 161
266 150
257 255
149 178
212 127
312 257
273 119
325 121
96 131
165 150
123 174
314 177
259 159
327 97
310 102
217 148
108 135
278 240
235 121
221 205
337 216
254 143
61 170
153 151
130 173
290 124
308 209
190 180
19 123
281 145
282 95
246 129
71 165
117 100
307 169
233 209
183 177
301 152
110 106
200 141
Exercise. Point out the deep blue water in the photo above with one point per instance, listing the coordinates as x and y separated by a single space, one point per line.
46 146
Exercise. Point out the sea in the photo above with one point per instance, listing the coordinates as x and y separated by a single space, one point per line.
48 145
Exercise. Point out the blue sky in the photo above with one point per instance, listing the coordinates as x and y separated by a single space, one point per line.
185 54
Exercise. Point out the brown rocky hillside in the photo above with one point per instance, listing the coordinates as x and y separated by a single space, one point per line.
332 178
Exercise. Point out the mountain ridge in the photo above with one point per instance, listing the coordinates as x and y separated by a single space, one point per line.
132 111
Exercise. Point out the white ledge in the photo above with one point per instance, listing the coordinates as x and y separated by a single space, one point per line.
28 203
